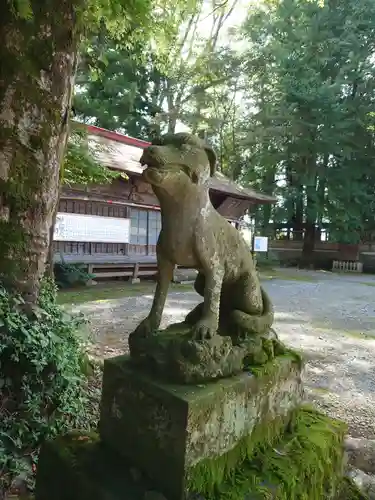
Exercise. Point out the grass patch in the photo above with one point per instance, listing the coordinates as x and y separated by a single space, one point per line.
320 390
110 291
270 274
347 333
120 289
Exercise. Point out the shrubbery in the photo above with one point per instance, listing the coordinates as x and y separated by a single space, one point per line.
70 275
267 260
43 380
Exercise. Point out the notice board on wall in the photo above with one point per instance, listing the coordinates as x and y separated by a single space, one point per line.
93 228
260 244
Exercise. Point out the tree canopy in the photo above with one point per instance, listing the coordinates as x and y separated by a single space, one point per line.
287 99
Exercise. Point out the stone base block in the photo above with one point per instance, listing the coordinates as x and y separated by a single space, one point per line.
305 463
167 430
78 467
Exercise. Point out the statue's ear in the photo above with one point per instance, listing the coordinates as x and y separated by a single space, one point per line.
212 159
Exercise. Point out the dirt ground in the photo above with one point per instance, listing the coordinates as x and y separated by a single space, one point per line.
330 318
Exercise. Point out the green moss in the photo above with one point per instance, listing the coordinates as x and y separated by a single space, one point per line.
349 491
305 464
209 474
272 368
77 443
112 291
79 467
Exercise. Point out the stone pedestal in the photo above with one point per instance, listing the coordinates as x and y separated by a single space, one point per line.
171 432
243 437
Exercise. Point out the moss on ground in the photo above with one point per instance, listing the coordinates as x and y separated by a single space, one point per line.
272 274
322 327
112 291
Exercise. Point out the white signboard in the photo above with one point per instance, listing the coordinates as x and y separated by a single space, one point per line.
260 244
78 227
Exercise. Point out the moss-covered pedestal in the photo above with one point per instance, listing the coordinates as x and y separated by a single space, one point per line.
242 437
176 433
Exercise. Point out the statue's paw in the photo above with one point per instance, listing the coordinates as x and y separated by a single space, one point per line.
203 330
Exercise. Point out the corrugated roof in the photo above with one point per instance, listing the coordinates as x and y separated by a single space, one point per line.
119 152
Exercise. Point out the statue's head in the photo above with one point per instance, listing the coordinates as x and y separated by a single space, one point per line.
175 160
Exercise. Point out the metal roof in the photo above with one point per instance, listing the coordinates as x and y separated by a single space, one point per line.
121 152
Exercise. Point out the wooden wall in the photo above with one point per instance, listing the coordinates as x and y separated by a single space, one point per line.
131 199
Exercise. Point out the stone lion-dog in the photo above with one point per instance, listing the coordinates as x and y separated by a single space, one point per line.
195 235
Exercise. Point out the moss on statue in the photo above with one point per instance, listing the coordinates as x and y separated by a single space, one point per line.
305 464
207 476
350 491
166 429
173 356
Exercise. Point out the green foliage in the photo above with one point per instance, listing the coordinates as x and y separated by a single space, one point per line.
43 388
266 260
117 16
309 131
21 8
80 165
116 90
143 89
71 275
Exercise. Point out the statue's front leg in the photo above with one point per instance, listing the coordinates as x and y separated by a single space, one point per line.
207 326
153 320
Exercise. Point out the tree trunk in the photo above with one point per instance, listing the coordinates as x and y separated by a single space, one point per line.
38 62
307 259
297 219
49 263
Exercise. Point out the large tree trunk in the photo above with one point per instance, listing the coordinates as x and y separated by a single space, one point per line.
38 62
297 219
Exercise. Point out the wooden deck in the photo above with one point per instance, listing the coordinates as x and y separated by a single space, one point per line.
105 258
108 266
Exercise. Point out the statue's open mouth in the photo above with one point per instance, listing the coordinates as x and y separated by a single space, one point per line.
148 161
148 164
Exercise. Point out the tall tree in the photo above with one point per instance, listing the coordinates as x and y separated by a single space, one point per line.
314 58
116 90
161 88
39 54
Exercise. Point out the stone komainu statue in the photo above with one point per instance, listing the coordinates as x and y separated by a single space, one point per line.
195 235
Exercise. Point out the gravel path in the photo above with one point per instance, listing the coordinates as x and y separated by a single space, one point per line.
330 318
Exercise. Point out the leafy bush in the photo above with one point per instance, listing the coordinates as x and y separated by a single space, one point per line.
291 262
70 275
43 384
267 260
